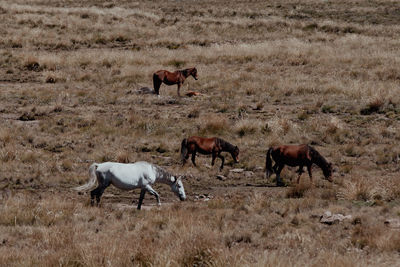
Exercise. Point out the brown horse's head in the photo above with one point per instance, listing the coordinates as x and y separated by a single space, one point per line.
193 72
235 154
328 172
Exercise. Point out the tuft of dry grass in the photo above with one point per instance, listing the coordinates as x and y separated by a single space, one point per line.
213 125
373 106
247 127
123 157
297 191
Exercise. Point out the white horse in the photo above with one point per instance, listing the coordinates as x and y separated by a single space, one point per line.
130 176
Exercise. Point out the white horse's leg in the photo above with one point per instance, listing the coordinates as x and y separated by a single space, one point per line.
154 193
142 193
99 190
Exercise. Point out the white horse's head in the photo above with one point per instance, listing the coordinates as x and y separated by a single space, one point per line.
177 188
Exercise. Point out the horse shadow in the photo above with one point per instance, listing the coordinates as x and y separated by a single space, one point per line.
149 91
269 185
145 91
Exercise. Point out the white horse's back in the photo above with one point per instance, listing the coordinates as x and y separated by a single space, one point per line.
127 176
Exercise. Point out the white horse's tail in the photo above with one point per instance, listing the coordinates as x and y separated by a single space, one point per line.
92 179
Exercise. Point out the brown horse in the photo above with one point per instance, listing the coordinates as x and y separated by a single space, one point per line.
295 155
206 146
170 78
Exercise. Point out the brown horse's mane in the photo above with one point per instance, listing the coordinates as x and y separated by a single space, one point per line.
318 159
226 146
186 72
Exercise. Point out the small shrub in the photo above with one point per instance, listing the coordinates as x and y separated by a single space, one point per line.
29 157
245 127
194 113
373 106
7 155
365 235
242 112
121 38
199 257
295 221
327 109
5 137
357 188
328 194
259 106
85 16
105 158
100 39
311 26
238 238
161 148
303 115
142 259
298 191
266 129
27 116
353 151
223 108
32 64
67 165
58 108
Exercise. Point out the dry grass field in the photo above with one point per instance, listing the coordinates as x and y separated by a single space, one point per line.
322 72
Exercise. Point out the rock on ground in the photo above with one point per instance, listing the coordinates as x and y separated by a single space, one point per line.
329 218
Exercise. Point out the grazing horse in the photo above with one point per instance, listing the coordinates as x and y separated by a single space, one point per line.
130 176
295 155
206 146
170 78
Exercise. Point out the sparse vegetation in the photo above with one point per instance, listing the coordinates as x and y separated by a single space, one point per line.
270 72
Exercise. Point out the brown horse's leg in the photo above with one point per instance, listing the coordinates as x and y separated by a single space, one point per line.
309 169
179 89
298 178
278 176
300 171
275 167
185 159
223 160
194 157
214 155
156 84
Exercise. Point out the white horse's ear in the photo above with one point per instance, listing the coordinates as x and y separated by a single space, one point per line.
176 179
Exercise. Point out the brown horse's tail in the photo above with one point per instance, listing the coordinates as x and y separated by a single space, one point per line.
156 83
184 151
268 164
